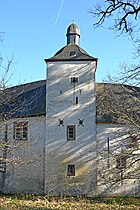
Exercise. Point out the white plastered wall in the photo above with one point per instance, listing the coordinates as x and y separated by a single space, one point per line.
60 104
25 158
113 181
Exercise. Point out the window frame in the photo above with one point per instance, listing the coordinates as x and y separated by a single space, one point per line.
77 100
20 130
2 165
71 170
73 127
72 53
74 79
121 162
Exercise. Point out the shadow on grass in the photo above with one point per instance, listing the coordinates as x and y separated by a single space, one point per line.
36 202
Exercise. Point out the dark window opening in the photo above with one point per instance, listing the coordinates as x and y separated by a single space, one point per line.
20 131
74 79
71 170
77 100
2 165
71 132
121 162
72 53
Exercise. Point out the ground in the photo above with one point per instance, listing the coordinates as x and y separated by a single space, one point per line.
33 202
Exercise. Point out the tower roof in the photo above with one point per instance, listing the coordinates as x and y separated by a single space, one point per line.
73 29
64 54
72 51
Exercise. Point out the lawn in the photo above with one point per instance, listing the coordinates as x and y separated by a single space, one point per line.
33 202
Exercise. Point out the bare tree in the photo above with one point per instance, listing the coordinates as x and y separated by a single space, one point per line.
118 152
20 111
20 115
125 19
125 14
120 102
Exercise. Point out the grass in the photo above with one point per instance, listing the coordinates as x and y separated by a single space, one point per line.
33 202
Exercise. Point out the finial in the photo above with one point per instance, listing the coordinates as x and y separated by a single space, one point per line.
73 21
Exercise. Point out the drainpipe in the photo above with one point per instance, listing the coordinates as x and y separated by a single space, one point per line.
108 151
44 160
97 165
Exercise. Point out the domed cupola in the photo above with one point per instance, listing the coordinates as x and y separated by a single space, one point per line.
73 34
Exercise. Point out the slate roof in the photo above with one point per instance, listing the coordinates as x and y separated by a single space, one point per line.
24 100
117 103
30 100
64 54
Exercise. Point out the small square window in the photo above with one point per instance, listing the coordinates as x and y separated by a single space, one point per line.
71 170
74 79
73 53
121 162
71 132
20 131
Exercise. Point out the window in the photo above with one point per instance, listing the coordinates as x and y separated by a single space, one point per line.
71 170
73 53
71 132
2 165
20 131
134 140
74 79
121 162
76 100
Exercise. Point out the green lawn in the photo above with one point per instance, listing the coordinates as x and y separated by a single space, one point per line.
15 202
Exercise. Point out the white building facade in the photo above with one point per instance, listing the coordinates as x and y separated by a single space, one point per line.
61 149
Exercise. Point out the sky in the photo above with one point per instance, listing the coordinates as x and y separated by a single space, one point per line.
36 29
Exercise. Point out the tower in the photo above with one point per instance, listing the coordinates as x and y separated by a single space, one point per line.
73 34
70 147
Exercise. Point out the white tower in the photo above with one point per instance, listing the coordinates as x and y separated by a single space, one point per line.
70 120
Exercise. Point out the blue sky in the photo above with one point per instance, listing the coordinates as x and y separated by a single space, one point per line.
36 29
